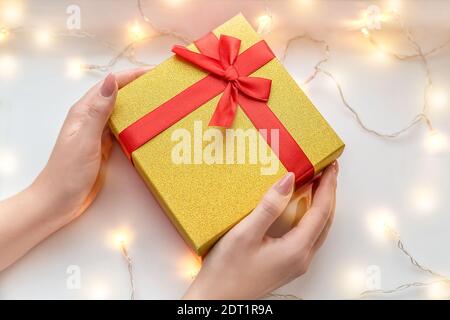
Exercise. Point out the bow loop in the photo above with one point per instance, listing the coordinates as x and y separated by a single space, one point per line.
226 68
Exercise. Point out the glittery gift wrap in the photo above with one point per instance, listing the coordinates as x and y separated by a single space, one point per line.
206 200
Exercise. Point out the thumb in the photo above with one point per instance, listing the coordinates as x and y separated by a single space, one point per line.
271 206
94 109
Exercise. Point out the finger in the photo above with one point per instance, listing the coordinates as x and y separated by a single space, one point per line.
326 229
125 77
91 112
306 233
269 209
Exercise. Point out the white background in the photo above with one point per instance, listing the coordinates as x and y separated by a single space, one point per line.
375 173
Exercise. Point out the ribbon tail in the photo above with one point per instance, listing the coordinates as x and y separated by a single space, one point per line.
199 60
226 108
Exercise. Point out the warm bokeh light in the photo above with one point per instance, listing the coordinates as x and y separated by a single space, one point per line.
190 266
394 6
436 142
424 199
174 3
11 11
353 281
99 291
305 2
438 98
4 34
381 223
381 54
43 37
264 24
8 163
8 65
120 239
439 291
136 32
74 68
365 32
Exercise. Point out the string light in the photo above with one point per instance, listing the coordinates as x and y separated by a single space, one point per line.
11 12
438 98
174 3
8 65
436 142
75 68
381 222
43 37
439 290
394 6
8 163
305 2
264 24
4 34
99 291
424 199
365 32
190 266
136 32
120 240
353 280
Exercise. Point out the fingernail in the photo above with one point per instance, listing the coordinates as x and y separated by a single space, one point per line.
108 86
285 185
335 165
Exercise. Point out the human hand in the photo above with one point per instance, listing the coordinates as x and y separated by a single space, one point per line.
72 176
248 264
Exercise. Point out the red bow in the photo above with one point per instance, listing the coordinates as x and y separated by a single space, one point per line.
221 63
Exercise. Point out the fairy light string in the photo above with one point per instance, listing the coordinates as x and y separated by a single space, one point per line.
129 262
129 52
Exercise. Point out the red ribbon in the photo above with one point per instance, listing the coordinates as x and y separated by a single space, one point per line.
228 74
222 64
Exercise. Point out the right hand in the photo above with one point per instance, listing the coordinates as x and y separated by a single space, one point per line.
248 264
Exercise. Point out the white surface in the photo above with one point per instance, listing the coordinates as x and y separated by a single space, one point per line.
374 172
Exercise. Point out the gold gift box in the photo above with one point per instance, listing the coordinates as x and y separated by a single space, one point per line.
205 200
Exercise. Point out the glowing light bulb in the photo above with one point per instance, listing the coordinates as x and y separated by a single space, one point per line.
353 280
8 65
136 32
264 24
8 163
439 291
305 2
365 32
4 34
394 6
174 3
381 223
11 12
424 199
438 98
99 291
381 54
74 68
120 239
436 142
43 37
190 266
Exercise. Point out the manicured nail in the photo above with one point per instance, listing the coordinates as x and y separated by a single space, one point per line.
108 86
285 185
